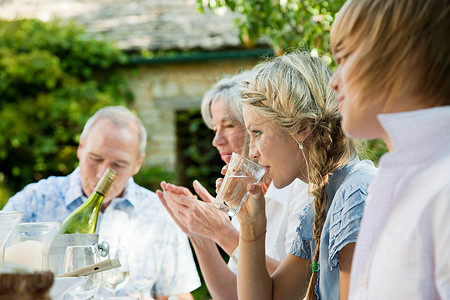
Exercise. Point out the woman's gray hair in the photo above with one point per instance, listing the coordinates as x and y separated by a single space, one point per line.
121 117
227 89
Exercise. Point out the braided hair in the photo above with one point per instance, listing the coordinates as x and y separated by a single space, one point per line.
293 92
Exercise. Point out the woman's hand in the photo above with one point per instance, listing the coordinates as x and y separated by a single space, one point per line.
194 217
172 212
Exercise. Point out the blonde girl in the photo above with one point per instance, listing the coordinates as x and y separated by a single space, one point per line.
208 227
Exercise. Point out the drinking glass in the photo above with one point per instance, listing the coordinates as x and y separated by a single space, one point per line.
144 275
77 257
8 220
116 279
29 244
233 191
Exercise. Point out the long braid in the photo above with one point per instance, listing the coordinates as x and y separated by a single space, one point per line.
324 160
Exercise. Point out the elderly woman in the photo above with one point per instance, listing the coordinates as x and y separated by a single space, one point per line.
205 225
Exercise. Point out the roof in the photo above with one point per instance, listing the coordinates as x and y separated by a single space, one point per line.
140 24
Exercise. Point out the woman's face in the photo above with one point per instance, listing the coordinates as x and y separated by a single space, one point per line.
274 149
359 114
229 137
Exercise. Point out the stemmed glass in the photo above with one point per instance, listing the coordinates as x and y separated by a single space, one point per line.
77 257
116 279
144 286
143 276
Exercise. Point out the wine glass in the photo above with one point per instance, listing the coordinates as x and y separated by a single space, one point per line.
77 257
116 279
144 275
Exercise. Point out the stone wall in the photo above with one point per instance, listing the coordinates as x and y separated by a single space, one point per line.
162 89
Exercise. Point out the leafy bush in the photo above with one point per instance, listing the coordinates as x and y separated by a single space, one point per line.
288 24
53 76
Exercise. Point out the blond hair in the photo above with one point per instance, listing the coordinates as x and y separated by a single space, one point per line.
293 92
402 46
227 89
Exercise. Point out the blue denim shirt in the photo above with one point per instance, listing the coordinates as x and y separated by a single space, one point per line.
148 227
347 192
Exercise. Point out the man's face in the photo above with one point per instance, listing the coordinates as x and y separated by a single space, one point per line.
108 146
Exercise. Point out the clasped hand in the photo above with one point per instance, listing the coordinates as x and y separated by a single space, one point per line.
194 217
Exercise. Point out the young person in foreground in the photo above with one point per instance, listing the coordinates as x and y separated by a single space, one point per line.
393 82
291 115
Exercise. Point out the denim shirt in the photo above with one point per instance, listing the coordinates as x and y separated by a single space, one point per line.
347 191
157 249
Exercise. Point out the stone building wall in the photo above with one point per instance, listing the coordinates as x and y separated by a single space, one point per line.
160 90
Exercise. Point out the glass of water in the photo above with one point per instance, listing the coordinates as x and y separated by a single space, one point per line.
116 279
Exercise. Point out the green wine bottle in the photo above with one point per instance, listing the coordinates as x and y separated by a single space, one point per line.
84 218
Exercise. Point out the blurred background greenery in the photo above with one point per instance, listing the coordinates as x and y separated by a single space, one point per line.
51 80
53 76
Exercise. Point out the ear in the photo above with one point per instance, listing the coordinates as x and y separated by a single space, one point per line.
139 164
302 135
80 150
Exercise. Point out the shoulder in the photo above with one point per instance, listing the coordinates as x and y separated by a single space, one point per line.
138 190
143 196
41 201
148 205
51 186
352 184
52 181
360 171
347 206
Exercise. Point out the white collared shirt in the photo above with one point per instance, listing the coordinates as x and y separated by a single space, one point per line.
403 249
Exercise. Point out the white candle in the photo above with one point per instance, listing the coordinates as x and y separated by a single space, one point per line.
29 253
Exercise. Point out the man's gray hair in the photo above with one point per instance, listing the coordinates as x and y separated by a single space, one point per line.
121 117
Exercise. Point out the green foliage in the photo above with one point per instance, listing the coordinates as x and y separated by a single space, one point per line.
53 76
286 24
373 150
4 196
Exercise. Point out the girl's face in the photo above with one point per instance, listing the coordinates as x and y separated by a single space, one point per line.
358 113
274 149
229 137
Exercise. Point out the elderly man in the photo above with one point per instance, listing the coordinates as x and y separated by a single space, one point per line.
132 216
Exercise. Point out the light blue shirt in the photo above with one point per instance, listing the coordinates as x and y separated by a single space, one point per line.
347 192
157 249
